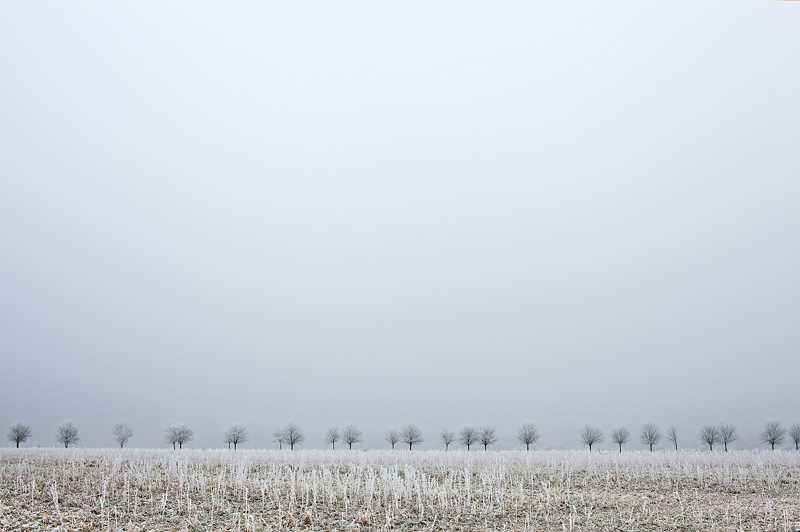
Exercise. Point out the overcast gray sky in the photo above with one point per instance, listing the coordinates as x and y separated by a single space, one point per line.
382 212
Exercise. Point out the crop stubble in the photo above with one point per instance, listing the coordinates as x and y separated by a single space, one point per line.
132 489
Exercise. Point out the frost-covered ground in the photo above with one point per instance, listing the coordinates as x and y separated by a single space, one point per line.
132 489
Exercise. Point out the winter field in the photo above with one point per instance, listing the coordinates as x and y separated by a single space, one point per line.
132 489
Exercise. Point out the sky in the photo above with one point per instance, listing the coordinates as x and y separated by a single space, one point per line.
441 213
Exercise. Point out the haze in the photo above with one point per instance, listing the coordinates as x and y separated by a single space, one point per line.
384 212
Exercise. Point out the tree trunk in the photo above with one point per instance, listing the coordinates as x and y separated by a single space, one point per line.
66 445
234 446
651 447
773 446
351 446
173 446
726 446
17 444
409 446
620 447
180 445
590 447
527 446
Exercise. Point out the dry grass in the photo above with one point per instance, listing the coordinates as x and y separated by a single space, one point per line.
104 489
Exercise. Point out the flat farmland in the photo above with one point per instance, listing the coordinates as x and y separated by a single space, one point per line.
153 490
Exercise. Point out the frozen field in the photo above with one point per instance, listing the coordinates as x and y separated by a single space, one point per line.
105 489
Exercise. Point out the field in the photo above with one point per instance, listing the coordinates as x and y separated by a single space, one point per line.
131 489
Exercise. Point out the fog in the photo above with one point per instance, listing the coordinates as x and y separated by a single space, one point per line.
443 213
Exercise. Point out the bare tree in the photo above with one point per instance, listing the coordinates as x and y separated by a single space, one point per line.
727 434
332 436
351 435
794 434
620 436
122 433
235 434
279 437
527 433
590 435
487 436
650 435
392 436
411 435
447 437
672 435
293 434
773 434
19 432
178 433
66 433
709 434
467 436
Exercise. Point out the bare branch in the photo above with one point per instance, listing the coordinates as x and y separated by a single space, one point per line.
620 436
235 434
447 437
122 433
67 433
527 433
650 435
19 432
411 435
178 433
773 434
672 435
487 436
467 436
794 434
709 434
332 436
293 434
351 435
727 434
392 436
590 435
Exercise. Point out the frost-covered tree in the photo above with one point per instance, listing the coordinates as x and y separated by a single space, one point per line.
487 436
710 435
590 435
447 437
620 436
527 433
178 434
293 434
67 433
350 435
773 434
279 437
672 435
650 435
332 436
411 435
392 436
727 434
467 436
19 432
122 433
794 434
235 434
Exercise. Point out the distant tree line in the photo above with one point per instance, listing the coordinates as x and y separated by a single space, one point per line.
291 434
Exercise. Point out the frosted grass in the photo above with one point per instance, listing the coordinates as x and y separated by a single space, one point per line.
146 489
